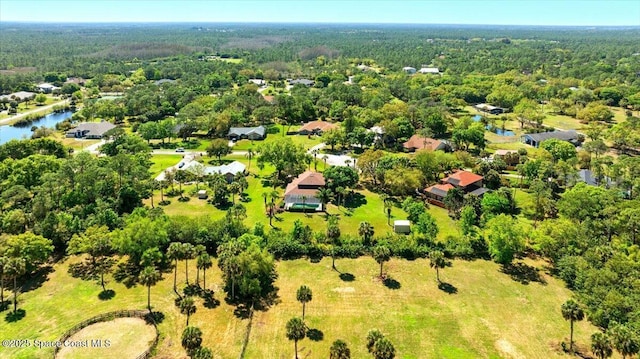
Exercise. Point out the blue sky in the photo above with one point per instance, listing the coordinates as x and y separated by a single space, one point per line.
500 12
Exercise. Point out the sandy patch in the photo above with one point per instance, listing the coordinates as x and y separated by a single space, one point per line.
344 289
506 348
120 338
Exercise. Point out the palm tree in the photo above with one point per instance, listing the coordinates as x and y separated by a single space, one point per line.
381 254
304 204
324 196
202 353
187 307
624 340
3 263
333 234
191 339
189 252
372 337
339 350
296 330
174 252
234 188
601 345
249 156
204 263
14 268
437 261
304 295
572 312
365 230
149 277
383 349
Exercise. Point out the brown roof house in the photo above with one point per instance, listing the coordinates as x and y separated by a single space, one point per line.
301 192
469 183
316 127
417 142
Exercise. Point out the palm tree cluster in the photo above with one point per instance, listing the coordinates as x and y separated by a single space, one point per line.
379 346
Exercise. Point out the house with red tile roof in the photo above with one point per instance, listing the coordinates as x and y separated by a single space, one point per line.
301 192
316 127
417 142
467 182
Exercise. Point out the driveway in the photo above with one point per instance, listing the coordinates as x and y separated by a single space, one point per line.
333 160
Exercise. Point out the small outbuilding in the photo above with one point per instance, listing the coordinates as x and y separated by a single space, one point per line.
402 226
202 194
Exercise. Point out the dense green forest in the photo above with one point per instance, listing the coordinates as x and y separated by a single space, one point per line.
54 202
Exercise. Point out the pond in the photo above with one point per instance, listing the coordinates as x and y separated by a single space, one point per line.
8 132
500 132
497 131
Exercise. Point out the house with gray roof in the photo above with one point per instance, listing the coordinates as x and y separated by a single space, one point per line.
164 81
90 130
534 139
305 82
251 133
18 96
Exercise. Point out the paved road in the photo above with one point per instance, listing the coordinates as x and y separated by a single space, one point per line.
38 109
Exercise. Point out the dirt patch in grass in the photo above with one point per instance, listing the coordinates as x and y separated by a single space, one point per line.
506 348
127 338
344 290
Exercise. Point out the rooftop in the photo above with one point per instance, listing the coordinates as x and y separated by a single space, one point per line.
306 179
462 178
561 135
238 131
418 142
439 189
318 125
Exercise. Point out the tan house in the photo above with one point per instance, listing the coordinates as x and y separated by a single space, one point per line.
316 128
301 192
417 142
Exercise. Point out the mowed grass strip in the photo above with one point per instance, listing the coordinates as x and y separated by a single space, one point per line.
489 316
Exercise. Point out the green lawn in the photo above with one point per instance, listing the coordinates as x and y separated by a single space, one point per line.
162 162
306 142
490 315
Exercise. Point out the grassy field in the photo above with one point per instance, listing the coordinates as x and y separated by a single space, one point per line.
305 141
162 162
484 313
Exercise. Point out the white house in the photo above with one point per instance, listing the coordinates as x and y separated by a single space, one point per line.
429 70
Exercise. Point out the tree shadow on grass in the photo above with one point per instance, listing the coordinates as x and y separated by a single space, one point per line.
315 335
37 279
523 273
83 270
13 317
107 294
447 288
127 274
355 200
242 311
154 317
347 277
209 301
391 283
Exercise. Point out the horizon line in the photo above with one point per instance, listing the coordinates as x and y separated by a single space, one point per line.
240 22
